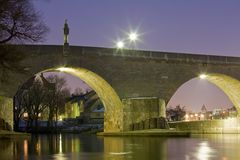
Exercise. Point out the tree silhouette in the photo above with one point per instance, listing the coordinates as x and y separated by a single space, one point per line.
56 100
19 22
176 114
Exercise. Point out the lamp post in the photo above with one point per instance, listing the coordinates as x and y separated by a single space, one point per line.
133 37
120 44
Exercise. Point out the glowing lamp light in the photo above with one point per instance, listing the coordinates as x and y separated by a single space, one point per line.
203 76
187 117
65 69
25 115
133 36
120 44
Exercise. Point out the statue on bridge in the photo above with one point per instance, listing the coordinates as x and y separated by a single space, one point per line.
66 44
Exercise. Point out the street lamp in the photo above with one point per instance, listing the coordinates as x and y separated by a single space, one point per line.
120 44
133 36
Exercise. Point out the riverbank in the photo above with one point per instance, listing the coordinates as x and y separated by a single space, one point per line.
13 135
218 126
149 132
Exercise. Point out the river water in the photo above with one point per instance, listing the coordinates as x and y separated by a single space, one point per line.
91 147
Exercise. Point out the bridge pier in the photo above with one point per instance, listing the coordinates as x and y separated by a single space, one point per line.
6 113
136 110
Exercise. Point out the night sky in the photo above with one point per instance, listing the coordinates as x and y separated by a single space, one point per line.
188 26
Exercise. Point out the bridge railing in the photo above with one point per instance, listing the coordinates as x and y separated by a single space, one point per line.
162 56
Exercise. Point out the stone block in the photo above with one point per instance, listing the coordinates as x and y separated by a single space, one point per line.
6 111
140 109
1 123
141 125
8 127
153 123
146 124
135 126
131 127
162 108
162 123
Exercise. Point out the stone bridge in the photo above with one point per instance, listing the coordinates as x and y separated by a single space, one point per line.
120 75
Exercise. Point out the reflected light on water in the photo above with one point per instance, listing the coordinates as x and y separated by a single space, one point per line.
231 124
119 153
73 146
60 143
204 151
38 147
60 157
25 149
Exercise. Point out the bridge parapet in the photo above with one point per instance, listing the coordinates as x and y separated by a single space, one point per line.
162 56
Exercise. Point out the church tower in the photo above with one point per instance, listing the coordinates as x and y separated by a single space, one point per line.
66 44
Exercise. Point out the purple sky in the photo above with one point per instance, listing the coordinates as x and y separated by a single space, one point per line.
190 26
196 92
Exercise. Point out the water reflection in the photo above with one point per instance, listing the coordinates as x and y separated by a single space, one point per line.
25 149
74 146
204 151
135 148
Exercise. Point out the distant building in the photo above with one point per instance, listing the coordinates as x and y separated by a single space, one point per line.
85 108
204 109
209 115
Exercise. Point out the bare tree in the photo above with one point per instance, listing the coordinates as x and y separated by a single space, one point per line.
56 98
33 103
177 113
19 22
19 109
38 95
41 95
78 91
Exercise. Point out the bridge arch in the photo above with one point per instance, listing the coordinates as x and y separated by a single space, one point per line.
229 85
113 115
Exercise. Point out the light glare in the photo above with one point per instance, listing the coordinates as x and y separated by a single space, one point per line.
203 76
64 69
120 44
133 36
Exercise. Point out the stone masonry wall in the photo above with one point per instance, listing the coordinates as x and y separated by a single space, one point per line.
208 126
130 73
6 113
140 109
